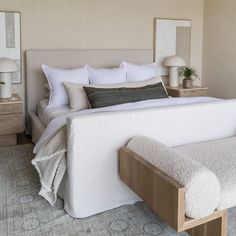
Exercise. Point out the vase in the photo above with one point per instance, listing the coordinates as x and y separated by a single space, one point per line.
187 83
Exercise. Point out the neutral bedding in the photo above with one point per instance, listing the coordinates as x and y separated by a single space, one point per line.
46 114
52 150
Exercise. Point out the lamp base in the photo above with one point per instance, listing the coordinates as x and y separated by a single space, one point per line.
173 77
5 85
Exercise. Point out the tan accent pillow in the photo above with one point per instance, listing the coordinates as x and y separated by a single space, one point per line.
78 98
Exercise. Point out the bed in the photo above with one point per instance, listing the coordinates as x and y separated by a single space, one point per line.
92 183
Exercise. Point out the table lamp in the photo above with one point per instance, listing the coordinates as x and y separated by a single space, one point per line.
7 66
173 63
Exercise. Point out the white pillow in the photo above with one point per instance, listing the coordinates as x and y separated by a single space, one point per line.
56 78
78 98
107 76
136 73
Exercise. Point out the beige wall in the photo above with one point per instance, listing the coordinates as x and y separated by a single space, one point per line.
101 24
219 60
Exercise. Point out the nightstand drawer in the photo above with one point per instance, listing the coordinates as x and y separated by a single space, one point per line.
11 124
193 93
11 108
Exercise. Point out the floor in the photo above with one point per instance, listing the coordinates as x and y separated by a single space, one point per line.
24 212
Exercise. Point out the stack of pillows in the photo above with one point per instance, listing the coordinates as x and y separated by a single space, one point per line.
89 87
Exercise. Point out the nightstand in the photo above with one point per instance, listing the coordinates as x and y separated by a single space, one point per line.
196 91
11 120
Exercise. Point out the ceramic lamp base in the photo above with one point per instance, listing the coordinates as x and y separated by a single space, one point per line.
5 85
173 77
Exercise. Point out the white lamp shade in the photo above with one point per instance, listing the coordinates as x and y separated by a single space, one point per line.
174 61
8 65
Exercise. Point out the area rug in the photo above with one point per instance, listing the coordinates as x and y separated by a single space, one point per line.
23 212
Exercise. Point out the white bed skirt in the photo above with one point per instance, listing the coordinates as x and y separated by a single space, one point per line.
92 182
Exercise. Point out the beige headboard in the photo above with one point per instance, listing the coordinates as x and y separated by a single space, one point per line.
68 59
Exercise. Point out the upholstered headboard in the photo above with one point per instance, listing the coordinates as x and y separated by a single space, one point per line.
68 59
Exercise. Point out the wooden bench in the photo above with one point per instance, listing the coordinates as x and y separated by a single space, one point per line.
166 197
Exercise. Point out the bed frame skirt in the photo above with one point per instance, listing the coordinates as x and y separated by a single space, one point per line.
36 127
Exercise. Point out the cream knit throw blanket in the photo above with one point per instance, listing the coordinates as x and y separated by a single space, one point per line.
50 162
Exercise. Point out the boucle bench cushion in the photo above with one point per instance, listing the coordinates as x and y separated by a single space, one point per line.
202 186
219 156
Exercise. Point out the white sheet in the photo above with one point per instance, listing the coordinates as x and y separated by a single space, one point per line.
46 114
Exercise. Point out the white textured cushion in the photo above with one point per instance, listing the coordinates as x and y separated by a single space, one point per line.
56 78
220 157
107 76
78 97
137 73
202 186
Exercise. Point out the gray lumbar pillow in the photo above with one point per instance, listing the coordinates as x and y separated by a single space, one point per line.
78 98
103 97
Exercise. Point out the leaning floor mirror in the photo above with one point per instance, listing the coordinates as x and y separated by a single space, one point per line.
10 41
171 37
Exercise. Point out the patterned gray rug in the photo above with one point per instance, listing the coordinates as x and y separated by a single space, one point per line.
23 212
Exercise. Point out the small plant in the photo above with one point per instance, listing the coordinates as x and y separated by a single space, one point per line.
187 73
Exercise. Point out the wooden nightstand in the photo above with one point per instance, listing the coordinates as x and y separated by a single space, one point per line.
196 91
11 120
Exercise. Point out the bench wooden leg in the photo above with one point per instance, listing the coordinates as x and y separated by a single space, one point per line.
217 227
